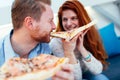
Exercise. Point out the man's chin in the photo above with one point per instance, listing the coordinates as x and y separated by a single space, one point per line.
47 40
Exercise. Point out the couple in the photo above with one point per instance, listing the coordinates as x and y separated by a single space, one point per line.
32 24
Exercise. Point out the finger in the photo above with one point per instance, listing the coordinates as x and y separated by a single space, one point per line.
83 33
86 31
67 70
63 75
76 36
67 67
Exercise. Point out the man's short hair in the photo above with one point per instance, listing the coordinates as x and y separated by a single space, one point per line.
23 8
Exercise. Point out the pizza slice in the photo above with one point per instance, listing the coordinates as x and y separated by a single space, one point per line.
68 35
39 68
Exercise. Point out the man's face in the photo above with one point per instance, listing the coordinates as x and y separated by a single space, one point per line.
44 26
69 20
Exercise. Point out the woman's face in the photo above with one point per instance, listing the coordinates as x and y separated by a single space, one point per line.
69 20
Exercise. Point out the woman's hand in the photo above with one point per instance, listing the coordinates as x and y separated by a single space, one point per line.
69 46
66 73
80 46
80 41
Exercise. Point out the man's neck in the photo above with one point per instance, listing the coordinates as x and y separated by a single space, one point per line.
21 46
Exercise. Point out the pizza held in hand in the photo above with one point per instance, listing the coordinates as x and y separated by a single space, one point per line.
68 35
38 68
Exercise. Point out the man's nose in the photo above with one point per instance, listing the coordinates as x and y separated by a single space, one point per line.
53 26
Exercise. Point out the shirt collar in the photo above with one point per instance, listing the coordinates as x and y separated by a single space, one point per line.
34 52
8 50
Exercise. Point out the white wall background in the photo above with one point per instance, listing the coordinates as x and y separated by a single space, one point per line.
5 11
5 8
108 5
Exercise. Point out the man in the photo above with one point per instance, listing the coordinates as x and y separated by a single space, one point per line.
32 23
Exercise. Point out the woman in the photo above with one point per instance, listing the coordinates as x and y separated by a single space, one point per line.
85 50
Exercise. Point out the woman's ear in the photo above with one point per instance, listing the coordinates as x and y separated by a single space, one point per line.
28 22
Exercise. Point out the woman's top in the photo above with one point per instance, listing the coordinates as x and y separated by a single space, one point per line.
94 66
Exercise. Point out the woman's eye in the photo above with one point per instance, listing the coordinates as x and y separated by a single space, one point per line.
74 18
64 19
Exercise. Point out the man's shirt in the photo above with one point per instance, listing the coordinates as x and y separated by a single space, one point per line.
7 52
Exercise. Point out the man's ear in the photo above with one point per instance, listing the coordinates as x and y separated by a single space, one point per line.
28 21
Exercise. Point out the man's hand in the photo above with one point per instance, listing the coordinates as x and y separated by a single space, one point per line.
65 74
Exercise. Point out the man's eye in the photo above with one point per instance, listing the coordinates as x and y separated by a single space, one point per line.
51 21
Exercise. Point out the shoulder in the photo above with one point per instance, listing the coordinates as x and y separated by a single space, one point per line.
2 58
44 48
56 47
5 40
55 42
2 42
44 44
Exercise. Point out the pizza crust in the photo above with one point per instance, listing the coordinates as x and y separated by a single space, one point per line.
72 33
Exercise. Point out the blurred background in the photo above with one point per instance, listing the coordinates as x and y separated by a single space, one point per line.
105 12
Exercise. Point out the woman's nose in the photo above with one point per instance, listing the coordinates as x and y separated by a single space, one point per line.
69 22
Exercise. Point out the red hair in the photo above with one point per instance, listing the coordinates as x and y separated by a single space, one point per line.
92 40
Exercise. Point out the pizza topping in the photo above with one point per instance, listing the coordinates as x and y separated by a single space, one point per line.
20 66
